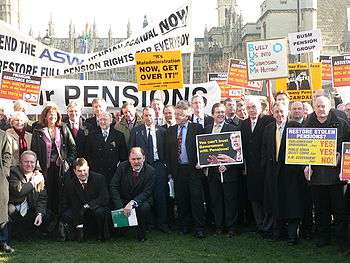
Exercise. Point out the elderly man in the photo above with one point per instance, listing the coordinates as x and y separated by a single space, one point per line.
169 116
326 187
347 111
6 156
182 160
105 147
252 134
158 107
28 198
284 184
131 187
129 120
297 111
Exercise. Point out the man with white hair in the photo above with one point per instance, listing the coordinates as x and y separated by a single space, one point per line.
252 133
105 147
326 187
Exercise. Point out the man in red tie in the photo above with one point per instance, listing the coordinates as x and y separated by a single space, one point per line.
85 202
132 187
77 126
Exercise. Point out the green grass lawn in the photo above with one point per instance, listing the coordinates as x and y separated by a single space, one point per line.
173 248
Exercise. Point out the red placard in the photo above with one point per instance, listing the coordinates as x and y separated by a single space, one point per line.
16 86
341 71
326 67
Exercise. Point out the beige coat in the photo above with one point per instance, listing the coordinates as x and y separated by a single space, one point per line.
14 144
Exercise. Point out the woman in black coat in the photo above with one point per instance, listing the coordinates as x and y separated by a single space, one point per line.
56 150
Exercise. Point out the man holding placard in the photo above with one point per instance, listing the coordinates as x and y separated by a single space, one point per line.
223 179
284 183
326 187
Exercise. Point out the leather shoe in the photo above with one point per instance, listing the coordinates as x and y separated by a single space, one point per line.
323 242
164 229
292 242
185 231
200 234
6 248
231 234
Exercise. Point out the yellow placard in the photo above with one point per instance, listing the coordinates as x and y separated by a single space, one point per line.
159 70
311 146
303 80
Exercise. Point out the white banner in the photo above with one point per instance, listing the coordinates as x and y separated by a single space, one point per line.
267 59
304 42
61 91
25 55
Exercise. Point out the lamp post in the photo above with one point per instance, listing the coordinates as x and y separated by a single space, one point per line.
298 22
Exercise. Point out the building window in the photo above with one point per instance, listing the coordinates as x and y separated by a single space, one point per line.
283 1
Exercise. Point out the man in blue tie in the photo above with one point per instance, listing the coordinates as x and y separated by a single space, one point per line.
151 139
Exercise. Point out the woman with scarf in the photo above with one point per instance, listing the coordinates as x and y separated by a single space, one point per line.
20 139
56 150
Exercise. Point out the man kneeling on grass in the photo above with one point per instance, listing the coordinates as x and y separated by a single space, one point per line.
28 198
85 203
131 187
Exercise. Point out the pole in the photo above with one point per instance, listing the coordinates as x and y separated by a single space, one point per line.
298 22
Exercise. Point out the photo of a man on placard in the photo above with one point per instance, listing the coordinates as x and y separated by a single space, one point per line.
299 80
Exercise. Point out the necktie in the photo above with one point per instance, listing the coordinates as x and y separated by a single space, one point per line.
105 135
75 132
278 141
253 125
150 152
179 141
84 185
217 128
135 177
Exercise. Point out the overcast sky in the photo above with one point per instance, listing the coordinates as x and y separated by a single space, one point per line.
115 13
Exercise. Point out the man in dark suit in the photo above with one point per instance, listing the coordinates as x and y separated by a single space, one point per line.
230 113
224 194
284 183
169 116
198 116
182 162
131 187
77 126
252 133
158 106
85 202
99 105
28 197
105 147
151 139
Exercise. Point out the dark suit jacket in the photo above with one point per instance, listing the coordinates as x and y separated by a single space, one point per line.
234 121
233 171
74 197
171 143
20 190
284 184
208 120
138 138
104 156
123 189
68 148
252 142
80 139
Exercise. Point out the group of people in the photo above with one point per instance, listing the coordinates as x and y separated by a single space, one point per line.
65 175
